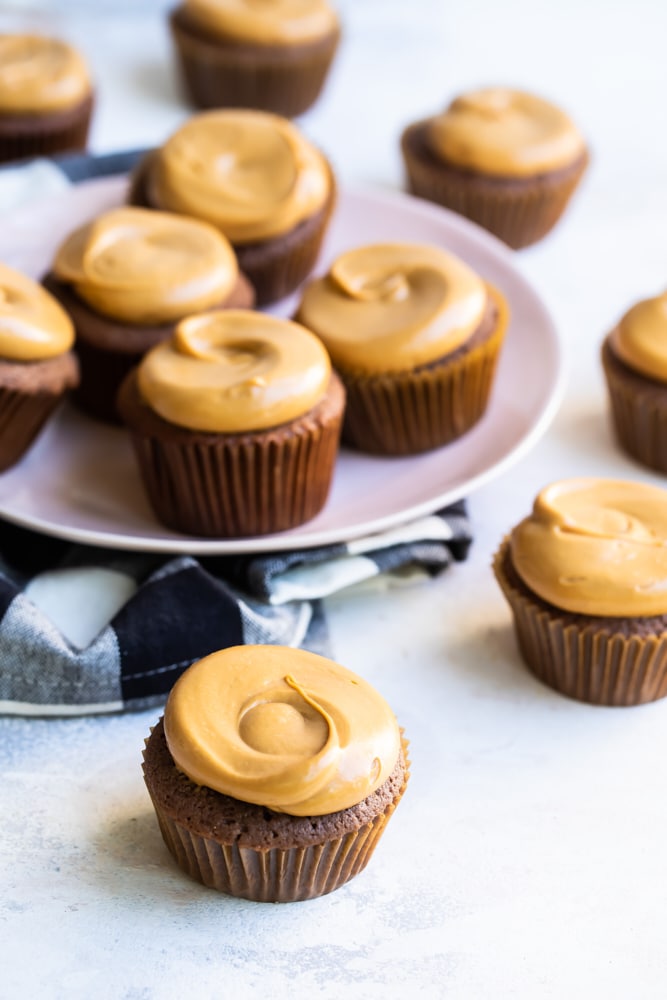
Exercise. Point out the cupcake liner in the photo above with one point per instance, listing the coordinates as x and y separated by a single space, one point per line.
411 412
22 417
217 73
585 661
229 486
520 212
26 136
639 411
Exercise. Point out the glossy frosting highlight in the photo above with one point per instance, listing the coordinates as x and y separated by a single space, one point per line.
282 728
145 267
392 307
505 133
234 371
640 339
33 326
39 74
264 22
596 547
250 173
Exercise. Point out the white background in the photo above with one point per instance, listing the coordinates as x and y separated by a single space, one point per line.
527 858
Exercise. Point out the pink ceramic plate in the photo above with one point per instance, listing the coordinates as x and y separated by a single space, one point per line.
79 480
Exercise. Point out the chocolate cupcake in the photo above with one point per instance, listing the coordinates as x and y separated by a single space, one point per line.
46 97
508 160
37 366
634 358
415 334
274 772
274 58
256 178
126 279
235 422
586 578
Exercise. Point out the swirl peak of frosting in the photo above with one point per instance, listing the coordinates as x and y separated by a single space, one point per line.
282 728
141 266
33 326
249 173
391 307
505 133
265 22
234 371
39 74
596 547
640 338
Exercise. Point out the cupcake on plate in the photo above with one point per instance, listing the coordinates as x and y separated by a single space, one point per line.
126 279
37 366
235 422
271 56
415 334
506 159
634 358
46 97
258 180
274 772
585 575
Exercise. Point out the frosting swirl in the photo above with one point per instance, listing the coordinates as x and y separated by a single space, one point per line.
234 371
33 326
282 728
265 22
640 339
250 173
39 74
145 267
505 133
596 547
390 307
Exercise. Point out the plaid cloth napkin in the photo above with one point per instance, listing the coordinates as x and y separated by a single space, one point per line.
86 630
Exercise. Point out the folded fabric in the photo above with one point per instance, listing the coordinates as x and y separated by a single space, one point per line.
86 630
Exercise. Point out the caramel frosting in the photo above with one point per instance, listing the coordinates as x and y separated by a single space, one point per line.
596 547
33 326
640 339
234 371
264 22
145 267
250 173
391 307
505 133
282 728
39 74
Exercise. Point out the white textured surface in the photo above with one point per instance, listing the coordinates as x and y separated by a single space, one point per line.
527 858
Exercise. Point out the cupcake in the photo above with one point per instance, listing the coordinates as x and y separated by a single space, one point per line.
271 56
274 772
254 177
46 97
414 333
37 366
586 578
634 358
235 422
126 278
508 160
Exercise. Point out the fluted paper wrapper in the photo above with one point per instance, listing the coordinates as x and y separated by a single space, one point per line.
519 213
22 416
639 412
22 139
599 666
284 80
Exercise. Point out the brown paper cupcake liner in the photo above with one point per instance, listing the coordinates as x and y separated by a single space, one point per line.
286 80
638 410
230 486
22 417
518 212
24 136
588 662
411 412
